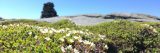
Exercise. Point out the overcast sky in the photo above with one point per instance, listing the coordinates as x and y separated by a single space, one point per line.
31 9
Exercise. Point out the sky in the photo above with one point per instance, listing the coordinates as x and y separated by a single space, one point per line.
31 9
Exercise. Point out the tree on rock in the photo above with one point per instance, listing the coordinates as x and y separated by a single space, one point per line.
48 10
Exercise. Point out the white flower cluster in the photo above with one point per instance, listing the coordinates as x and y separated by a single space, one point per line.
69 48
47 38
35 37
41 29
4 26
30 33
75 35
150 27
87 45
102 36
78 38
51 30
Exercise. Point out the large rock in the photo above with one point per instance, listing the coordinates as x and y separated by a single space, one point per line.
93 15
129 16
1 18
93 19
48 10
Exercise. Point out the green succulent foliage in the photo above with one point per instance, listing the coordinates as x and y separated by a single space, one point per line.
125 35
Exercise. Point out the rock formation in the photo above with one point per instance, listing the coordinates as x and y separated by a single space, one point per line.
93 19
48 10
129 16
120 16
1 18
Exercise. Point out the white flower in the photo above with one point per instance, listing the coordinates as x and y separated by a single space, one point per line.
102 36
69 47
80 40
11 25
4 26
86 29
30 33
115 21
92 44
71 40
75 50
81 32
27 25
54 30
63 49
106 47
61 39
61 30
86 42
150 27
35 37
68 34
17 24
41 30
50 31
154 30
67 29
73 31
57 31
146 25
75 37
47 38
44 30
